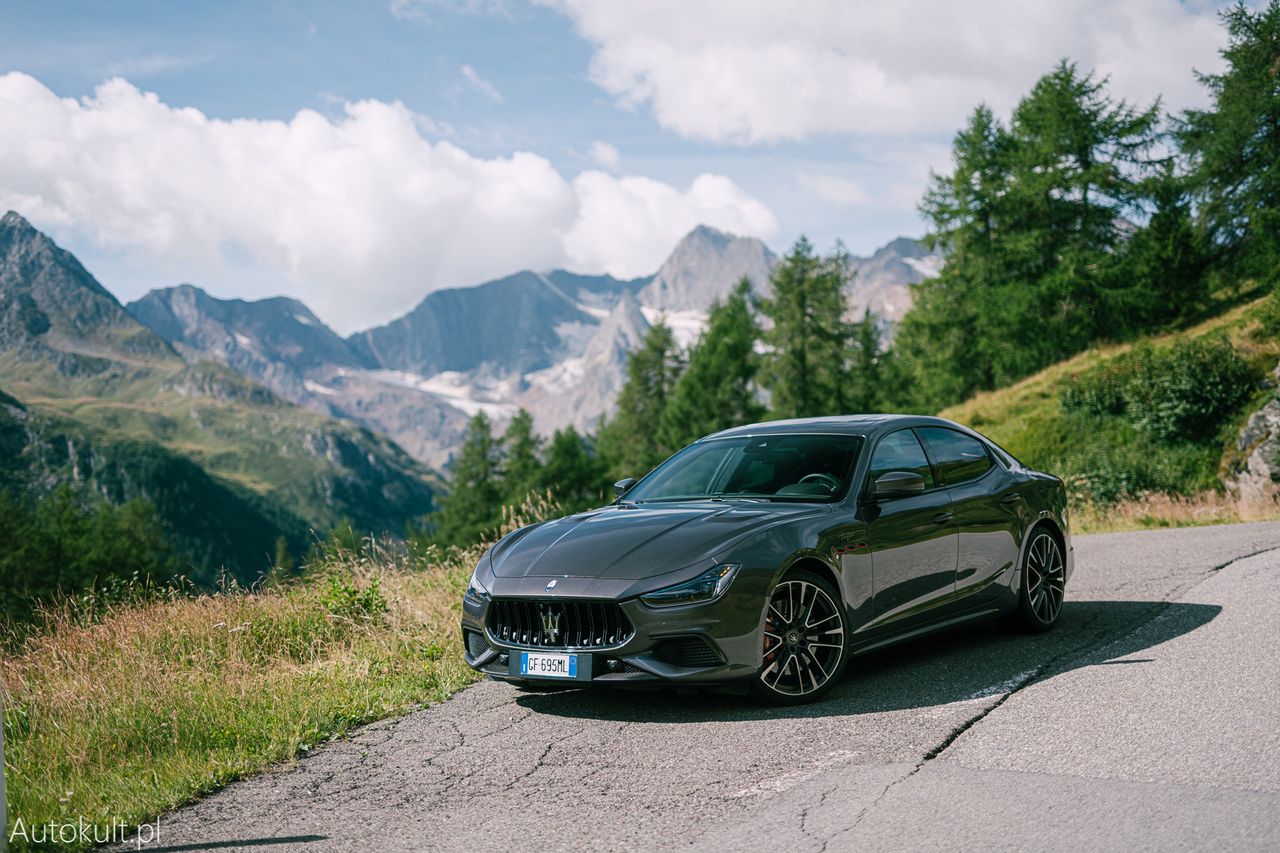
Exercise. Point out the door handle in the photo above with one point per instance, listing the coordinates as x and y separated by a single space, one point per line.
1011 498
943 517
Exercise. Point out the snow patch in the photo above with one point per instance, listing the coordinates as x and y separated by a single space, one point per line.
317 388
928 266
561 377
598 313
306 321
450 386
242 340
685 326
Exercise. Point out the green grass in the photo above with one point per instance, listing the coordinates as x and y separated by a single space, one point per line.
165 700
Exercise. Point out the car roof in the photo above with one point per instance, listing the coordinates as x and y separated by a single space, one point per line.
865 425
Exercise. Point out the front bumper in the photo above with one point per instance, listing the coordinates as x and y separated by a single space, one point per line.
713 644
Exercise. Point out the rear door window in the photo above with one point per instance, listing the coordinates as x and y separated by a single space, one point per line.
959 457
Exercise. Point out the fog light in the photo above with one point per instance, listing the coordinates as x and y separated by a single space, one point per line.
612 664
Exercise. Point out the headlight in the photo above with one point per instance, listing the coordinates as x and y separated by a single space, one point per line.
707 586
475 589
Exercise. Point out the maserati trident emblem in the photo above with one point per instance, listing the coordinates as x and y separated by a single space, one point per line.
550 623
551 585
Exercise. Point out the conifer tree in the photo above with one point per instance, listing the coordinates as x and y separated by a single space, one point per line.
631 443
1234 145
572 473
521 468
806 370
474 503
717 389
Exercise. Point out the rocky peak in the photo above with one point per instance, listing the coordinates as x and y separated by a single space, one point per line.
704 267
50 302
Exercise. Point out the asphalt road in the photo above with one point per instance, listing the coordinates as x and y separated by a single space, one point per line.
1148 719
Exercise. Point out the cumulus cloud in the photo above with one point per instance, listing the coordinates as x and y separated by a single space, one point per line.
622 223
480 84
358 216
605 155
750 71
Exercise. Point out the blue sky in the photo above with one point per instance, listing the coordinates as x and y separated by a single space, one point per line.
571 133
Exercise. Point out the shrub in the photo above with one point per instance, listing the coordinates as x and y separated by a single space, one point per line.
342 597
1178 393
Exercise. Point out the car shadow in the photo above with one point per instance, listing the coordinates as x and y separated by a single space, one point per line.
963 664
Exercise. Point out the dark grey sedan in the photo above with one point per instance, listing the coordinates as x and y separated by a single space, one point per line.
766 556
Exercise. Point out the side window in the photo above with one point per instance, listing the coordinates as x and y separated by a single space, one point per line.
901 451
959 457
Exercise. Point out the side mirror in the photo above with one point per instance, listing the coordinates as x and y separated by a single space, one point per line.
899 484
621 487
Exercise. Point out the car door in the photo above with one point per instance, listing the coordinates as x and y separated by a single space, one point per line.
912 539
986 504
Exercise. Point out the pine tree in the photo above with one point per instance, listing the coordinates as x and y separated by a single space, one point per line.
1234 146
717 389
572 474
631 443
806 371
474 503
521 468
865 383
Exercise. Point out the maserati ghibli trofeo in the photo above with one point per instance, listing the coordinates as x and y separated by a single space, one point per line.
766 556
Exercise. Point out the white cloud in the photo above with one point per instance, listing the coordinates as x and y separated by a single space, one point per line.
623 223
605 155
480 84
768 70
359 215
835 189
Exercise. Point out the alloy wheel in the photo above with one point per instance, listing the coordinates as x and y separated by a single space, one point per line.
803 639
1046 578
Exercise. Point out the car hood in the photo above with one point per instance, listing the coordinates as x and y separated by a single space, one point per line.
631 541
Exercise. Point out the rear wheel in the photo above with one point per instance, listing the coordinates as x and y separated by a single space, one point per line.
805 646
1044 581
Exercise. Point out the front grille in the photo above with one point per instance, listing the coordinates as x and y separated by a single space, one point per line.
558 624
689 651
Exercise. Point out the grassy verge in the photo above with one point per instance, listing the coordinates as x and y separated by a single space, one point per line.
149 704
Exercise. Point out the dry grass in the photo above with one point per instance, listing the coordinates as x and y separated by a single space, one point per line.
157 702
1157 510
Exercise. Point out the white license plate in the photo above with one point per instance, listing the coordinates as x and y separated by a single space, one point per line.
541 665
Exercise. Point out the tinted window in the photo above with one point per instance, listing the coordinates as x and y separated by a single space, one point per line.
780 467
901 451
959 457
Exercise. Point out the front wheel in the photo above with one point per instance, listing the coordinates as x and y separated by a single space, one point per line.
805 647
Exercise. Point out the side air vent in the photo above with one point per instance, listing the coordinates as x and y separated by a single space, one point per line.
689 651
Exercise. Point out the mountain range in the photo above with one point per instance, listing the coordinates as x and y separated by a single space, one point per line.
95 398
555 343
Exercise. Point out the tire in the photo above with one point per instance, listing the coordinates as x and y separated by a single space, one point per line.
801 666
1043 587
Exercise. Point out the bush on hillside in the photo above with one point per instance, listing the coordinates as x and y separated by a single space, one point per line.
1176 393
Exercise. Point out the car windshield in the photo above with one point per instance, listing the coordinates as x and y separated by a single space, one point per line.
762 467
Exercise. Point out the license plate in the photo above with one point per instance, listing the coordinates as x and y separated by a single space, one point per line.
543 665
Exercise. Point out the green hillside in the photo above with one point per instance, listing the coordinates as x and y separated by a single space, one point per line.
1113 456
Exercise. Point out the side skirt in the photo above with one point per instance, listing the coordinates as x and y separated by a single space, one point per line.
924 630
